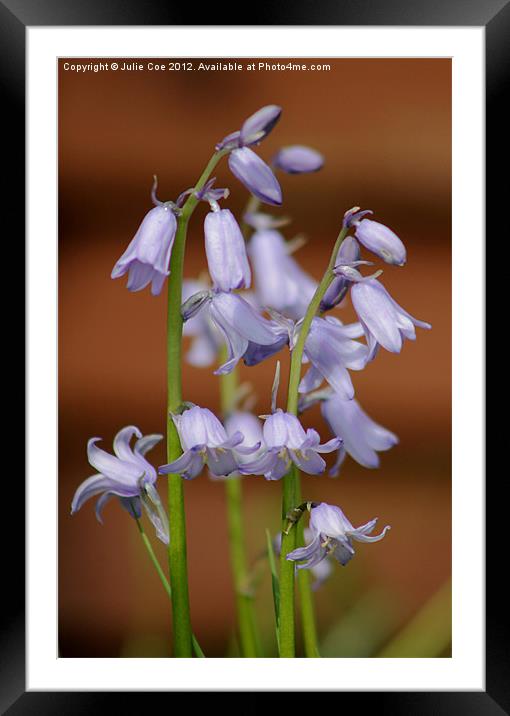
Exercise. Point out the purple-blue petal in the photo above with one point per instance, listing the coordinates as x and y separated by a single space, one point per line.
256 176
259 124
298 159
226 251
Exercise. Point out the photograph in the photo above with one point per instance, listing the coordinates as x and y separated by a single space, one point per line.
254 357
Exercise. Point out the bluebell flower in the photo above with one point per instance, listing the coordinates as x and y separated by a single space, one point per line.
226 251
321 571
256 176
382 241
205 442
384 322
147 257
332 351
376 237
245 164
280 282
332 535
362 437
244 330
287 442
298 159
126 475
250 426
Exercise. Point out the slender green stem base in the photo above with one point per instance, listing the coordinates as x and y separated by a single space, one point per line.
287 606
248 635
177 548
196 646
244 600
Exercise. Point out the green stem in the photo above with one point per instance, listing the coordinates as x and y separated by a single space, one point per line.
297 352
196 646
291 492
248 637
177 547
310 638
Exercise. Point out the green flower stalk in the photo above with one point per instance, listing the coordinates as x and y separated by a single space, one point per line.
292 493
177 552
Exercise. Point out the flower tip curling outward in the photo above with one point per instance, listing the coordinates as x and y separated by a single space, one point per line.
205 442
332 534
147 257
256 176
226 251
298 159
126 475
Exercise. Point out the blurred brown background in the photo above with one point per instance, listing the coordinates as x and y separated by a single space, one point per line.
384 128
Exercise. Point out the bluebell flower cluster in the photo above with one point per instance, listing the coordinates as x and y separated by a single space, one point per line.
255 324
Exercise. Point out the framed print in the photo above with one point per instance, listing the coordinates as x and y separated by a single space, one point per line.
255 315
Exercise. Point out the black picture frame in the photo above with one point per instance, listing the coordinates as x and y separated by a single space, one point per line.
15 17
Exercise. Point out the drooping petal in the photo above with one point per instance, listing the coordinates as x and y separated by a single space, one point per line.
189 465
226 251
311 380
362 437
91 487
260 465
310 555
233 311
377 313
146 443
105 497
335 469
298 159
221 461
308 461
255 175
327 361
121 446
140 275
119 471
329 446
256 353
343 551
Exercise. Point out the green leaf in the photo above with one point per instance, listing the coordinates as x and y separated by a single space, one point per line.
197 648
